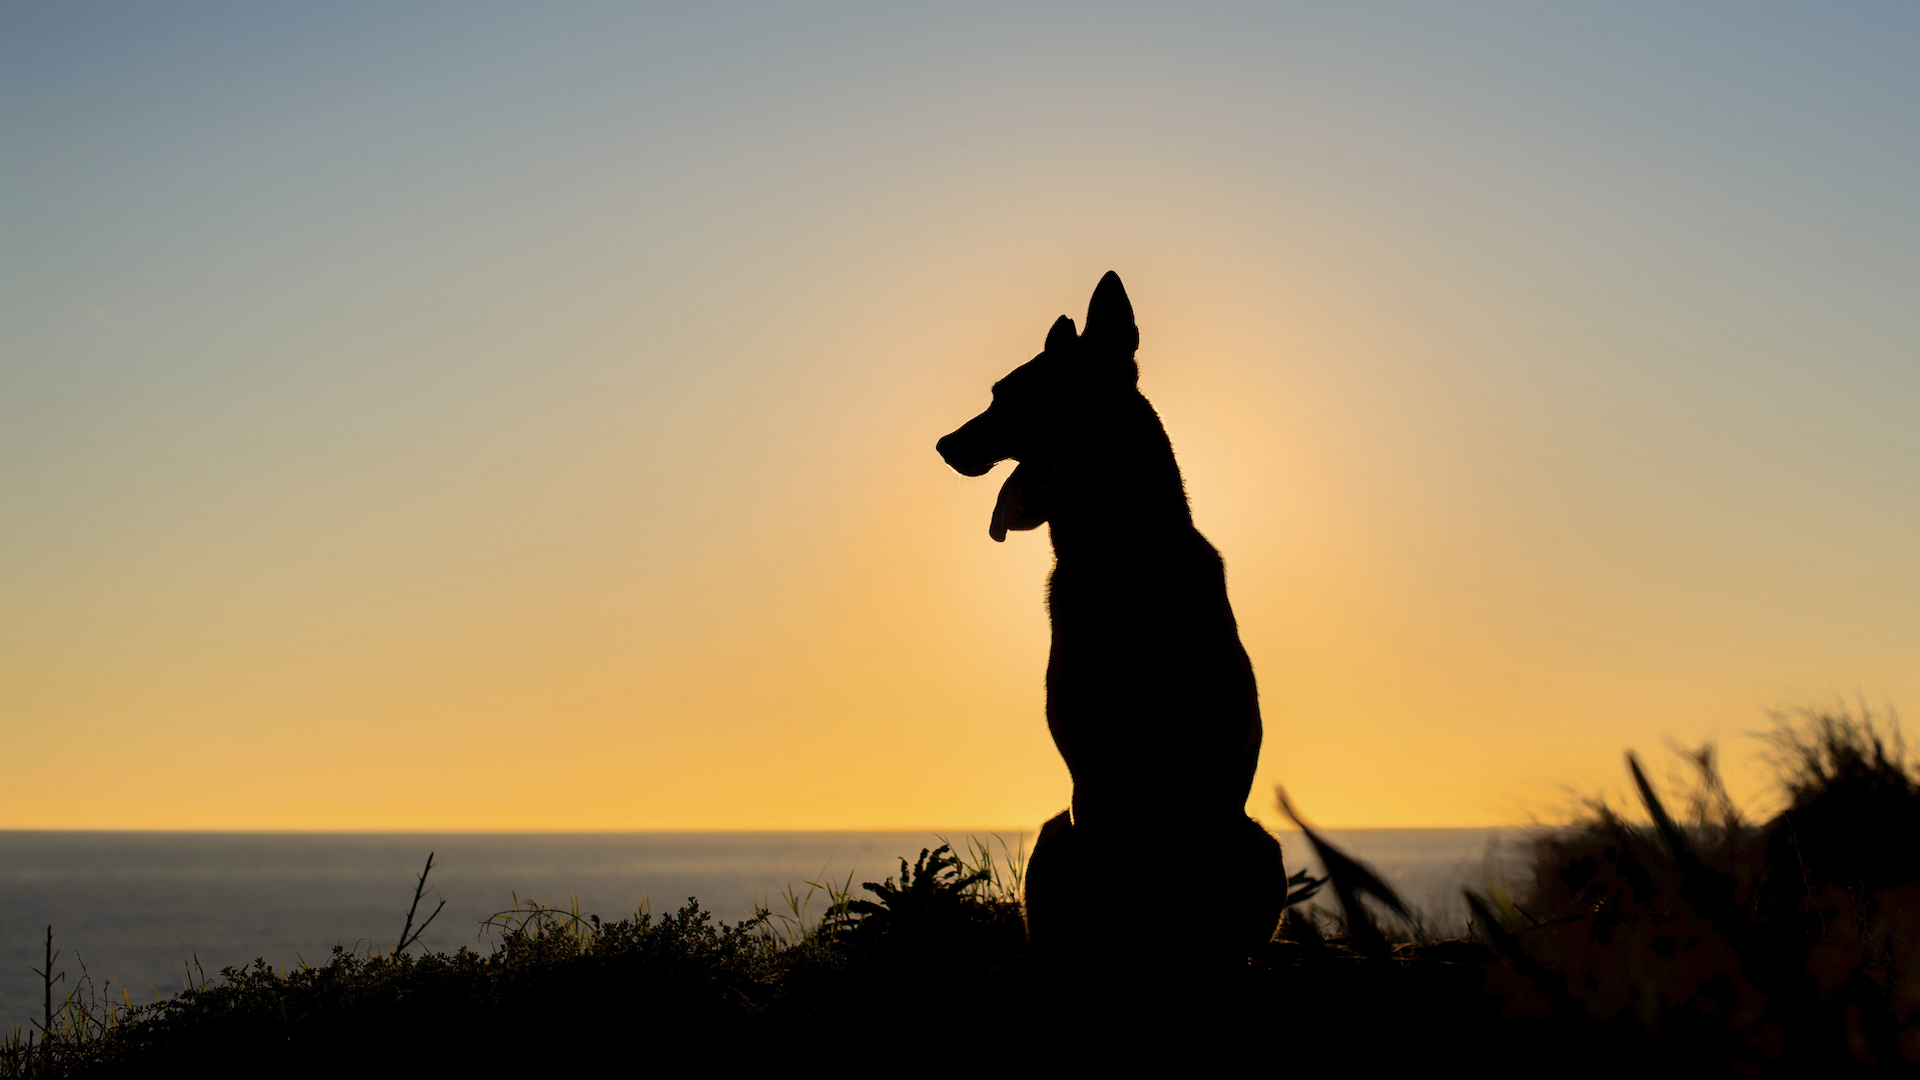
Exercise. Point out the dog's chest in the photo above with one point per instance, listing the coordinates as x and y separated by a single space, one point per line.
1138 597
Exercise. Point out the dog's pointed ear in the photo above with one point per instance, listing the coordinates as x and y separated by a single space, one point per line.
1111 333
1062 336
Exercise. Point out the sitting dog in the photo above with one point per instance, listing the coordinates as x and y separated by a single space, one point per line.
1150 696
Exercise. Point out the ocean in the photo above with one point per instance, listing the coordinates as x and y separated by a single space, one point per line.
137 909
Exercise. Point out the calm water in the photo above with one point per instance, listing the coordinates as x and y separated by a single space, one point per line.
137 907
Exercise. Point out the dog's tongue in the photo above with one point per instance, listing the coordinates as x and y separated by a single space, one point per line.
1008 504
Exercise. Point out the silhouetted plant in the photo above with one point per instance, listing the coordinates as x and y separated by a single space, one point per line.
935 885
1795 944
796 926
1351 880
67 1032
1302 887
998 878
408 935
934 916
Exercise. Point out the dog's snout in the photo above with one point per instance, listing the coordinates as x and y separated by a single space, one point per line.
959 451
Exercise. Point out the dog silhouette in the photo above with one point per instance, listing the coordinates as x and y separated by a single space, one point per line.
1151 699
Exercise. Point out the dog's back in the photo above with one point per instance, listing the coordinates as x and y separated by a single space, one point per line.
1150 696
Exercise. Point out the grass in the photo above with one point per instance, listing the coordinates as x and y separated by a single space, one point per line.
1698 940
1787 946
560 986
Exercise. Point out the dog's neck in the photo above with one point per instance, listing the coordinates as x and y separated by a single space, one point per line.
1120 486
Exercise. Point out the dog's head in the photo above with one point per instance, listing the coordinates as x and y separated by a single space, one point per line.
1035 408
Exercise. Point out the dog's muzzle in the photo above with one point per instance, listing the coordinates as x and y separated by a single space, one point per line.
963 459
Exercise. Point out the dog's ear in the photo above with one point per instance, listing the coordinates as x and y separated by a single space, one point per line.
1111 335
1062 336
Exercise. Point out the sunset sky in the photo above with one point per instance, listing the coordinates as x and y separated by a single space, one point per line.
518 417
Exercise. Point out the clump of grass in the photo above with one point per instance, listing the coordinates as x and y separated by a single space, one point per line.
1352 882
797 926
977 875
86 1016
1789 945
941 913
997 878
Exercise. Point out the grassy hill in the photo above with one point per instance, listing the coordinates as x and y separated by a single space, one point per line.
1705 942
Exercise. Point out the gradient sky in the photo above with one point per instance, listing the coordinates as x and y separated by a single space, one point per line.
465 416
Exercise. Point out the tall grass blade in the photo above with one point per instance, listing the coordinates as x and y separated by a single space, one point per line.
1351 879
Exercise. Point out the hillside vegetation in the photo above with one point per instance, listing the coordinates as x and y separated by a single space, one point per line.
1698 941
